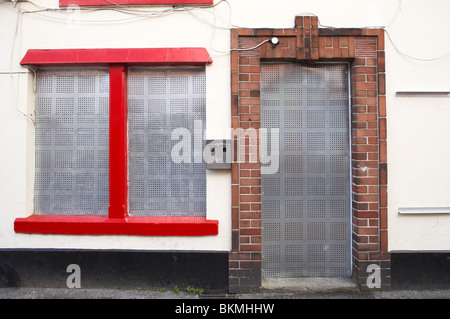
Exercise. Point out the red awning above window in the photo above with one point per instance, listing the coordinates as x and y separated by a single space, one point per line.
86 3
147 56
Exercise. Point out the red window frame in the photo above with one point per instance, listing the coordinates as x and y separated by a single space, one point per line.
87 3
117 222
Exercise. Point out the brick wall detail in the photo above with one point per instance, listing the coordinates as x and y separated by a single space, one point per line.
307 43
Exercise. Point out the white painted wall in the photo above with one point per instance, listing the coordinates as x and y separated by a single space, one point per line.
418 130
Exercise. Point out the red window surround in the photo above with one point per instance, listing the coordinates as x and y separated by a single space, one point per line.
117 222
85 3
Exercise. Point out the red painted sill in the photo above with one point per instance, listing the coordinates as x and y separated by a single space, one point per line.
83 3
102 225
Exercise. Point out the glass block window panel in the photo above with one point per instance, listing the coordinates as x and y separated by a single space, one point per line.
305 212
162 101
72 142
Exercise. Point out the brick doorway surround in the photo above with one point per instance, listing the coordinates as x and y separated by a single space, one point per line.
307 43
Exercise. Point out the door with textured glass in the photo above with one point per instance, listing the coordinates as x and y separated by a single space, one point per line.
306 202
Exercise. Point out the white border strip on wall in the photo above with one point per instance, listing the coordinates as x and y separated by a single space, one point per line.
423 210
423 93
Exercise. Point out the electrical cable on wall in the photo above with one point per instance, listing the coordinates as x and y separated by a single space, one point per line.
142 13
273 40
411 57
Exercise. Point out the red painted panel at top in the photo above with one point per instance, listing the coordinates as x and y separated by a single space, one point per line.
148 56
66 3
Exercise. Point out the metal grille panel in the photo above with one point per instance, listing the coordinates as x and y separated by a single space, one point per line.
306 204
161 100
72 142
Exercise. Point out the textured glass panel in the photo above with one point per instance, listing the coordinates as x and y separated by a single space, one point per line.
306 204
162 100
72 142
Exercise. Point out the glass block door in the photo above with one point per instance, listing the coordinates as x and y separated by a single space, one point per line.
306 203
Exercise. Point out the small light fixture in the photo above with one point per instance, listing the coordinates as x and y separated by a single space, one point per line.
274 41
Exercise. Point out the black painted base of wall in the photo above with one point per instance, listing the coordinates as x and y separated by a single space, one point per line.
114 269
420 270
155 270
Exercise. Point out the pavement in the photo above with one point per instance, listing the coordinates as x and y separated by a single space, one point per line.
84 293
300 288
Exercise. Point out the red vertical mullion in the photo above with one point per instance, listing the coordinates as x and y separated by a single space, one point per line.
118 149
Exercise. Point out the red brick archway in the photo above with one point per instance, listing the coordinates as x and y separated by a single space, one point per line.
307 43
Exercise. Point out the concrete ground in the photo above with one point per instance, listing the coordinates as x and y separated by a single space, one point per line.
400 294
274 289
66 293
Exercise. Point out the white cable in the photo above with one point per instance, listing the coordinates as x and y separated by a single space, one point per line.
411 57
252 48
145 13
388 35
